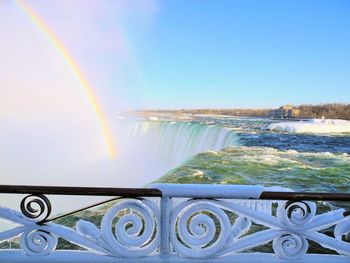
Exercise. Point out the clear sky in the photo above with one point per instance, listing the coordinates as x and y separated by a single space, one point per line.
246 53
189 53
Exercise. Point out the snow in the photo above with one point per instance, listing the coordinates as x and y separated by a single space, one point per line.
312 126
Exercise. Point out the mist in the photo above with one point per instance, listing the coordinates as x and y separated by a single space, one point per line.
48 132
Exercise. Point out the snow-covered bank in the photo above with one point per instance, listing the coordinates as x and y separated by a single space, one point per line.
312 126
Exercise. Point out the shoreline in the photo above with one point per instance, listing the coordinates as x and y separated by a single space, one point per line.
339 111
161 113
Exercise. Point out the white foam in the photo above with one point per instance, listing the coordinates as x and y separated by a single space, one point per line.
312 126
198 173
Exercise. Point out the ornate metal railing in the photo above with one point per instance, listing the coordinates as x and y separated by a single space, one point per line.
179 223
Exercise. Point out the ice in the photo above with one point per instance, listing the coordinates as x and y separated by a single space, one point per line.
312 126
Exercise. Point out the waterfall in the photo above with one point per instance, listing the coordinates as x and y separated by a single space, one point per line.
159 146
146 150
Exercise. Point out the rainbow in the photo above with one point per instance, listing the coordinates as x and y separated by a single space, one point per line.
85 85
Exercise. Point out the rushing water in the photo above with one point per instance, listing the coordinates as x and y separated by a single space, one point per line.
167 144
241 151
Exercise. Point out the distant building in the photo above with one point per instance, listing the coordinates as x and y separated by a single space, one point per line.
286 111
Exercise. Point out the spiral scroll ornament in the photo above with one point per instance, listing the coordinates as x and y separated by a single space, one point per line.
199 229
136 228
296 214
38 242
290 246
36 207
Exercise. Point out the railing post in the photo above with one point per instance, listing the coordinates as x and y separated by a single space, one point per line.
165 208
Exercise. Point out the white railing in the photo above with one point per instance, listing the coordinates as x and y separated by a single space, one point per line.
187 223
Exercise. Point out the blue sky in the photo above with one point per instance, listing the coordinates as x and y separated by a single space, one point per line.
182 53
244 53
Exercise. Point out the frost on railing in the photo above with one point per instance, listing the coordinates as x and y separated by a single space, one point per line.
203 222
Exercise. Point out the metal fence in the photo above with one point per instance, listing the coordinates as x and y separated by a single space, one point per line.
178 223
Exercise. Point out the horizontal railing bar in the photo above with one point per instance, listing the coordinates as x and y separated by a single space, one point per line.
153 192
88 191
299 196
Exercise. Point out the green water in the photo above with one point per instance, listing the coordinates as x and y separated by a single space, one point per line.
301 171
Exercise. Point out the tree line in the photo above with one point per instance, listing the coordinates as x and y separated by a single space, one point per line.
329 110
